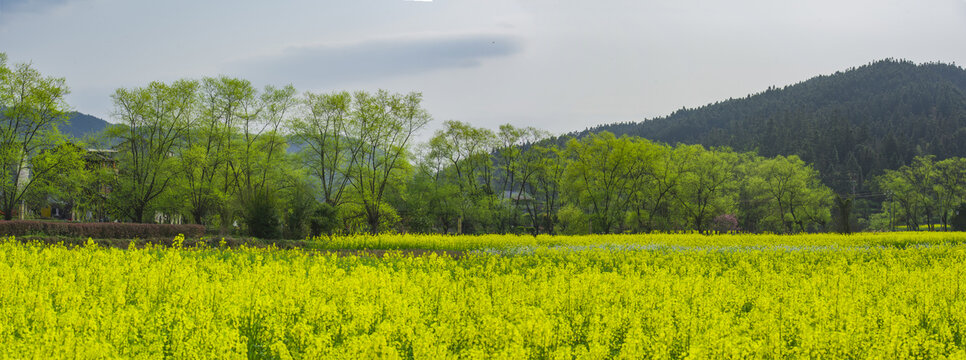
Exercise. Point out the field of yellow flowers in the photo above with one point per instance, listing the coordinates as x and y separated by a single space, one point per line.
620 296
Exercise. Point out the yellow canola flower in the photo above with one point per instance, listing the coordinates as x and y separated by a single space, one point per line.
620 296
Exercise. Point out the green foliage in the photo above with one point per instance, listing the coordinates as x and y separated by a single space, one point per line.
216 151
324 220
154 121
261 216
851 125
299 208
924 192
602 174
790 191
573 221
33 153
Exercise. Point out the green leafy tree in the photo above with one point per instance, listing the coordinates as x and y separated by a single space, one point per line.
949 188
329 152
705 188
259 161
204 158
32 150
519 163
924 191
462 153
601 176
652 194
903 204
385 123
154 122
794 193
547 181
432 203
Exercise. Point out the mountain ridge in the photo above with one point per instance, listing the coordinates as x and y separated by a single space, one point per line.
851 125
80 125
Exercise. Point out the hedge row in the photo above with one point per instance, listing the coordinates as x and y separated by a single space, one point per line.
98 230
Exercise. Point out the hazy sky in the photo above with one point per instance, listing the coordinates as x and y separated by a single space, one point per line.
554 64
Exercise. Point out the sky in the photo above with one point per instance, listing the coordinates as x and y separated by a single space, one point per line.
557 65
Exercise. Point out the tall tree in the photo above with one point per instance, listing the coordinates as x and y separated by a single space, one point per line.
259 162
798 199
154 122
601 175
32 106
950 188
464 153
385 123
547 179
208 146
704 189
328 151
651 199
518 165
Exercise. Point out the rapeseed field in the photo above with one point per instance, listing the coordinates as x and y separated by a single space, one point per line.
515 297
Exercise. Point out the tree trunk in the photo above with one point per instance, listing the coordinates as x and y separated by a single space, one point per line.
197 215
225 223
372 217
138 214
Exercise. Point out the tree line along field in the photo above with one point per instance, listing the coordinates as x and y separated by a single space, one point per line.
277 163
896 295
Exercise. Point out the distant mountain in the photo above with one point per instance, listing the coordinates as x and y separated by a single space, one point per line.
81 125
850 125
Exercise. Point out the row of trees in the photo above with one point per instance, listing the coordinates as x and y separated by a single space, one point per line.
498 182
273 162
217 151
924 193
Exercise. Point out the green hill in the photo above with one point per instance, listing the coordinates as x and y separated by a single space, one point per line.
851 125
81 125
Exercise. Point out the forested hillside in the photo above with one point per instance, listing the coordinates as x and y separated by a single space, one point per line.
850 125
80 125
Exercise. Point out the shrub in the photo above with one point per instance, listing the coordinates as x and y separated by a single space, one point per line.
325 220
573 221
98 230
262 217
725 223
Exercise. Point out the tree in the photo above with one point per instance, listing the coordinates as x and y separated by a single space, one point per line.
259 163
958 220
32 149
155 121
925 190
463 152
329 152
843 214
601 176
793 191
903 204
385 123
68 187
950 187
548 175
430 203
205 155
518 163
704 187
651 199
